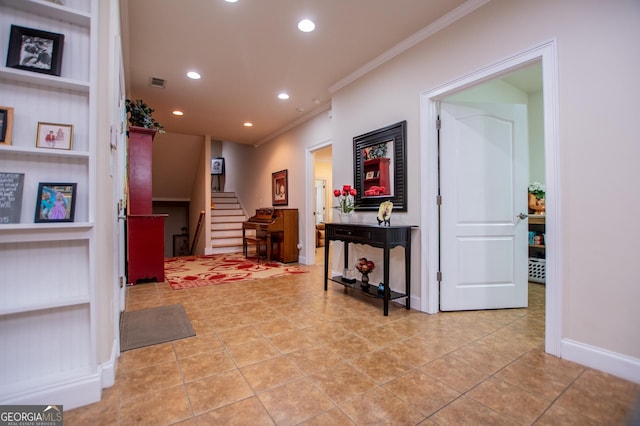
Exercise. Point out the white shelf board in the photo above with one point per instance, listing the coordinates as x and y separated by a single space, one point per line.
34 232
46 80
50 9
73 301
68 153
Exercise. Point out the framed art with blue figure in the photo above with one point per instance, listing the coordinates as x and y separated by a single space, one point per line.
56 202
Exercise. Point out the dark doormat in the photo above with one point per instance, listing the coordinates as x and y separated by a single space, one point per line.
152 326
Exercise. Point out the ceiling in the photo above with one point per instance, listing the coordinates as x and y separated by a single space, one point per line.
248 52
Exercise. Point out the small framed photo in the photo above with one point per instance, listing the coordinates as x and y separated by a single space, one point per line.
35 50
6 125
370 175
217 166
54 136
280 188
56 202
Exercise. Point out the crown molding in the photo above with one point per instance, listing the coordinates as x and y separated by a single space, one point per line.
431 29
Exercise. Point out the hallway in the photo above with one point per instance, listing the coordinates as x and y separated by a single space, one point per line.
282 351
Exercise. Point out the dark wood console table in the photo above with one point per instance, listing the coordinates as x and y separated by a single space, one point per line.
385 237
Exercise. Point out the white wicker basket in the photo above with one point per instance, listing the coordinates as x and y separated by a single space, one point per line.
537 270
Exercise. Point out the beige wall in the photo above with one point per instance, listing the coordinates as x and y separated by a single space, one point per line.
598 64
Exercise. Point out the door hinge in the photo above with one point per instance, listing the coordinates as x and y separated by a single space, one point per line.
439 200
439 276
121 282
438 123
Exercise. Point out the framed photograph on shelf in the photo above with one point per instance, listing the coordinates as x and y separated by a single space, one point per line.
280 188
35 50
56 202
6 125
370 175
54 136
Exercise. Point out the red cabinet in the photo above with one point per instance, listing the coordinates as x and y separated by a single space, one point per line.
145 231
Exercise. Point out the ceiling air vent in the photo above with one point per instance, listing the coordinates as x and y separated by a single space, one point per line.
157 82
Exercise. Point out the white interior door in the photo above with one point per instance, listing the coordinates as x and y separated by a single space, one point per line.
483 184
321 195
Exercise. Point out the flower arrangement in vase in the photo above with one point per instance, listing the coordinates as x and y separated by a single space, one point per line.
365 266
346 204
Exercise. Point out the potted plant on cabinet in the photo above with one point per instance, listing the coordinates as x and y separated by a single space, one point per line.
140 115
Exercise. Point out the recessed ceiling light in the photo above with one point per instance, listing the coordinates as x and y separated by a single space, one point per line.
193 75
231 1
178 113
306 26
247 124
283 96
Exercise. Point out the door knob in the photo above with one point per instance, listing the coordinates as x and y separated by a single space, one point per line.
522 216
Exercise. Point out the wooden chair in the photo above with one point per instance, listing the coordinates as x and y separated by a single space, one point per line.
257 242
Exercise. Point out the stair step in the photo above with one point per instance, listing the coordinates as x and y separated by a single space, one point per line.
227 212
226 233
223 194
226 206
226 242
216 226
221 250
223 219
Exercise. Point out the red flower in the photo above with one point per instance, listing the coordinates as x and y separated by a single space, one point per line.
336 193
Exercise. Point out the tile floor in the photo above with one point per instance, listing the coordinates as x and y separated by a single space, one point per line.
282 351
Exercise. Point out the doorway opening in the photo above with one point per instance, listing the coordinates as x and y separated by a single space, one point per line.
544 56
318 205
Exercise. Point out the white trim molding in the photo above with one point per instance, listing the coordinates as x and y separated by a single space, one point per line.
546 53
601 359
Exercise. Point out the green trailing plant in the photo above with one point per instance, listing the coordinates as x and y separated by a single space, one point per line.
140 115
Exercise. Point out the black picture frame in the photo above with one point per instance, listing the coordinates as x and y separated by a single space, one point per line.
6 125
387 145
35 50
217 166
55 202
280 188
181 245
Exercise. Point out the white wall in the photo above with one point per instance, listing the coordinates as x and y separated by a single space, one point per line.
598 152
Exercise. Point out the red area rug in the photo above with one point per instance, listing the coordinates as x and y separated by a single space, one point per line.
202 271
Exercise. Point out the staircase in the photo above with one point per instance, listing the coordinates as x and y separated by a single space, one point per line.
226 223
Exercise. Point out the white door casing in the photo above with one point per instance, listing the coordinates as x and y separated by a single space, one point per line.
483 183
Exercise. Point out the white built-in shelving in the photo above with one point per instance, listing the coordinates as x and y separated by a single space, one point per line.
47 313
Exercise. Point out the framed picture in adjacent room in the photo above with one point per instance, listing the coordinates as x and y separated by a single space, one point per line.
6 125
54 136
35 50
280 188
217 166
56 202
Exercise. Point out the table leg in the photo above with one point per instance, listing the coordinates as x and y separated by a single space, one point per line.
326 263
387 291
407 270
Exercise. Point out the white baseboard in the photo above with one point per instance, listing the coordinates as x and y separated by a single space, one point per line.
601 359
108 376
70 393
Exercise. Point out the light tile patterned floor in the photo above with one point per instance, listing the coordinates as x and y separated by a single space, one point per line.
282 351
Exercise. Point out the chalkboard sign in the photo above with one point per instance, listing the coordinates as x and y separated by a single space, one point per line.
11 185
